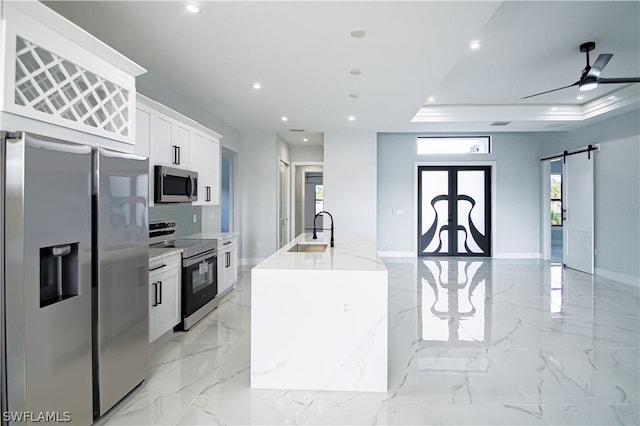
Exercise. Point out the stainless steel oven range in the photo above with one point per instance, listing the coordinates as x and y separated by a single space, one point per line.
199 271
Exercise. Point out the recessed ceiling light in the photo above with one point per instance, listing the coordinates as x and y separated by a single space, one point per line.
192 7
352 118
257 85
305 140
358 33
554 108
284 118
353 95
580 98
475 45
611 98
356 71
431 99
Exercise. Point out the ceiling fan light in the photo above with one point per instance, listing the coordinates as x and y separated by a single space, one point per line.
588 85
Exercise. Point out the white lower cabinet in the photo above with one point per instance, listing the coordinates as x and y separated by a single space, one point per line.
164 295
227 262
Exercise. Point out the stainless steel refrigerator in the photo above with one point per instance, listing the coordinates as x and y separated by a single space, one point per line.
121 275
75 297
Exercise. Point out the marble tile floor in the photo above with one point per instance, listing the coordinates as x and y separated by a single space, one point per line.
471 342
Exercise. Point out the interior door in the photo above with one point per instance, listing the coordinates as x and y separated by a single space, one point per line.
454 211
578 207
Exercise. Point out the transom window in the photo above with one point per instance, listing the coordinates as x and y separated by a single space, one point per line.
453 145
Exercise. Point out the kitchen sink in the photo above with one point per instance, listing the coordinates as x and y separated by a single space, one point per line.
308 248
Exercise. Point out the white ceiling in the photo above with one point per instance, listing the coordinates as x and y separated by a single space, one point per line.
302 53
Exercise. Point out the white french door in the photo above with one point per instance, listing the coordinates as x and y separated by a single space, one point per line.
578 208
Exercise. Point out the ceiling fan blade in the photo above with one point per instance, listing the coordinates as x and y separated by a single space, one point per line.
599 64
619 80
553 90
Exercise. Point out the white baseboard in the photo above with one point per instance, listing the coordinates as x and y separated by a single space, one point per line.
616 276
517 256
251 261
396 254
495 256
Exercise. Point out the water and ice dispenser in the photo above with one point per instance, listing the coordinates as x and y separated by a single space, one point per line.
59 274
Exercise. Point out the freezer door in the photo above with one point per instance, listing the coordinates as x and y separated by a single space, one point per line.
47 282
121 295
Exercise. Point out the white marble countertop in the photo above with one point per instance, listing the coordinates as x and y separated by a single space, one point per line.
349 254
156 253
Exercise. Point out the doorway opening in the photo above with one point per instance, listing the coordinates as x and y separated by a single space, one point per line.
568 211
555 198
227 189
308 194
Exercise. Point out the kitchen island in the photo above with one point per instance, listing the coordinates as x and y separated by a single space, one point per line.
319 318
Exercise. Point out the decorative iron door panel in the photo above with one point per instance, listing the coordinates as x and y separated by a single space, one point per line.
454 211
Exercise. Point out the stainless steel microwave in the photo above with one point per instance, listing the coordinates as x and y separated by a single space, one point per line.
175 185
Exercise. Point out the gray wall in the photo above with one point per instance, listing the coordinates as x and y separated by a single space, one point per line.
350 182
517 221
259 184
303 153
617 194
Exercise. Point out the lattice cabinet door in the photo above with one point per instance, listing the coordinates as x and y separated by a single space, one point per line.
57 73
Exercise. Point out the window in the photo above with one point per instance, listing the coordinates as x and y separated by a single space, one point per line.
556 199
453 145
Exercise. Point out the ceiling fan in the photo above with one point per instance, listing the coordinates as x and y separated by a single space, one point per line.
590 78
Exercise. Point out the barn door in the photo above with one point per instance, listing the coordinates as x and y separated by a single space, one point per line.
578 212
454 211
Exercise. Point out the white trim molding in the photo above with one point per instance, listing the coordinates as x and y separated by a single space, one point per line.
616 276
397 254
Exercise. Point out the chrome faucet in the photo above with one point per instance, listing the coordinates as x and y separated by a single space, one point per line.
315 236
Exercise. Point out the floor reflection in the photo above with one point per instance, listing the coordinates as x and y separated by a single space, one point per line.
557 291
455 303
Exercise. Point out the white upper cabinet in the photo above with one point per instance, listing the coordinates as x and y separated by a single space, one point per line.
57 74
144 121
170 141
177 141
143 128
205 158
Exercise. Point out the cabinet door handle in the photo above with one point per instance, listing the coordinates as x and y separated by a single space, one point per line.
178 155
157 267
155 294
175 154
208 193
160 301
228 260
227 243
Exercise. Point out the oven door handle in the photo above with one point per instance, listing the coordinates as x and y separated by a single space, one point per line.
197 259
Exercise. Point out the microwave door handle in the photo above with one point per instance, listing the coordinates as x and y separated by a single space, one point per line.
189 185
